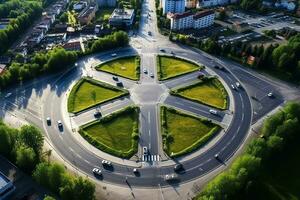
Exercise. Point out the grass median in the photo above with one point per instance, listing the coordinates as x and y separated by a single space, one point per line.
208 91
116 134
183 133
88 93
127 67
170 67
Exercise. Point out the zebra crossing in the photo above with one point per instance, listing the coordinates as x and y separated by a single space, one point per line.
151 158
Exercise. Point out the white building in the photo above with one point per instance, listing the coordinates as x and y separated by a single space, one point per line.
122 17
188 20
173 6
190 3
209 3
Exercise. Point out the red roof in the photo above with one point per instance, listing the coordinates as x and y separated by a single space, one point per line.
203 14
181 15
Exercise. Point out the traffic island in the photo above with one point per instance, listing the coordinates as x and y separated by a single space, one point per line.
208 91
183 133
88 93
171 67
127 67
116 134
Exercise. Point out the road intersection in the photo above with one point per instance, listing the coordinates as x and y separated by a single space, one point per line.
47 97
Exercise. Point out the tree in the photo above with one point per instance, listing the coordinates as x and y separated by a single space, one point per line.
26 158
32 137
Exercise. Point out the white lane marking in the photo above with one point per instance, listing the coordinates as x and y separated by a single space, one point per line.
180 103
149 117
71 149
149 132
88 162
243 117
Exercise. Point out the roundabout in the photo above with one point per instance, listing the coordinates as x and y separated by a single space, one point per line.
149 95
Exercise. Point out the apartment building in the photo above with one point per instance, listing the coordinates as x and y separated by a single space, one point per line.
202 19
173 6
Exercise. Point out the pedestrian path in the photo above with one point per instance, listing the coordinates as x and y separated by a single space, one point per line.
151 158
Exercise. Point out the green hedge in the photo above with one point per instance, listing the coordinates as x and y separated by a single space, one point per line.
207 80
107 149
158 63
193 147
74 90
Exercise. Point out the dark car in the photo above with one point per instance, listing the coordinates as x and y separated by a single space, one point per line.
178 167
97 114
119 84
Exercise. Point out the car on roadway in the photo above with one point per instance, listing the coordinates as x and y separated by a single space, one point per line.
8 95
216 156
115 78
162 50
218 67
151 75
59 123
113 55
270 94
214 112
171 177
238 85
97 114
106 163
119 84
97 171
135 170
178 167
48 120
145 71
232 86
145 150
149 33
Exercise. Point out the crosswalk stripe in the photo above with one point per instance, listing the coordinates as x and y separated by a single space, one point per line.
151 158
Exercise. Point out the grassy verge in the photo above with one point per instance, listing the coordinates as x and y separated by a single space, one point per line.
183 133
127 67
208 91
88 93
116 134
171 67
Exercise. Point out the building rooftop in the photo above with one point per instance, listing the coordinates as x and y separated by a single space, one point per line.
181 15
122 14
203 13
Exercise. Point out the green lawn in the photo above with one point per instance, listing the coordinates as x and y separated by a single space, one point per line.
128 67
184 133
88 93
170 67
209 91
116 134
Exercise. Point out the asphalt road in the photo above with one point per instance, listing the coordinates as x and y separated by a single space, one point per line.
52 91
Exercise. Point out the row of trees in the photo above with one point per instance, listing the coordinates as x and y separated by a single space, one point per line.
24 147
39 63
23 14
279 132
282 59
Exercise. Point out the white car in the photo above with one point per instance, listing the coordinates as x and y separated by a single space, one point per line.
170 177
238 84
145 71
270 94
48 120
145 150
135 170
232 86
113 55
214 112
152 75
97 171
59 123
106 163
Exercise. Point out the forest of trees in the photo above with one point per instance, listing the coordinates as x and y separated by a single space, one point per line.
244 178
23 14
24 147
